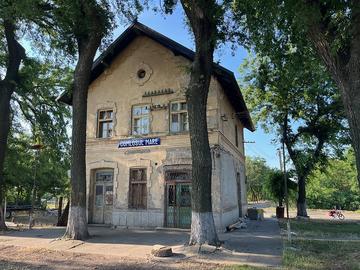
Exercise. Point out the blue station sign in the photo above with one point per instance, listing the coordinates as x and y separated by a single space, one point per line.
139 142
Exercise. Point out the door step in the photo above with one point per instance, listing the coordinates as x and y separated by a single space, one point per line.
171 229
99 225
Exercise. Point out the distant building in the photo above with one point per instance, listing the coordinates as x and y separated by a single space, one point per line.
138 148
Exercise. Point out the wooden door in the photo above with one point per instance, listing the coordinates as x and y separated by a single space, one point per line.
103 197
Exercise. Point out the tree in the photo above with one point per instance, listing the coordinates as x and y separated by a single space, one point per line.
81 26
299 103
335 184
50 179
256 174
36 116
11 61
274 186
332 28
204 18
12 15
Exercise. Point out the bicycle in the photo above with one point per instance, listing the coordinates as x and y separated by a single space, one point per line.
336 214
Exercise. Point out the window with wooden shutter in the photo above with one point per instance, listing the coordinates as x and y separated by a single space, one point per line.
137 189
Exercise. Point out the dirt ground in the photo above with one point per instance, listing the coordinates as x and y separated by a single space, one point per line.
25 258
259 244
323 214
40 248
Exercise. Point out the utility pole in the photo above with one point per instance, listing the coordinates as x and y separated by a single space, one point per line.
37 148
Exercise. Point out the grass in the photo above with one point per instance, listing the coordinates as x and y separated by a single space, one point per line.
319 255
311 253
325 229
314 248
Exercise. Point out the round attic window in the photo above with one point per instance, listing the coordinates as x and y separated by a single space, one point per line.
141 73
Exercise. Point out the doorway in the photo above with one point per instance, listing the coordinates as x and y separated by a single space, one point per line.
238 185
178 199
103 196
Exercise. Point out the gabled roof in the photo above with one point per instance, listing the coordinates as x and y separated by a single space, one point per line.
225 77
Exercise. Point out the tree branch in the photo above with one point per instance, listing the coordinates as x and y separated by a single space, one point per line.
16 52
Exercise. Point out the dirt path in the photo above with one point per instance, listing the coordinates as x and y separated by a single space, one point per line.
321 214
16 258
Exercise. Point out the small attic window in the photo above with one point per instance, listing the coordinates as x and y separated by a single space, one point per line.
141 73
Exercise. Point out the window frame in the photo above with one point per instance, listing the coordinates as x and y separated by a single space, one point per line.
131 201
137 117
100 121
104 184
179 112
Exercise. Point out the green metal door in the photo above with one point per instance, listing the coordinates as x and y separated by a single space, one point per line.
178 213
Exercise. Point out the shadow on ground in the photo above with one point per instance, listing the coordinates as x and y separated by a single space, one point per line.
259 244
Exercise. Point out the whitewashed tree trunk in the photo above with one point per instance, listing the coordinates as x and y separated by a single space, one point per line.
203 229
201 16
77 224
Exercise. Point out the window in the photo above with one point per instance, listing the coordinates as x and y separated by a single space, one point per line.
137 189
236 136
105 124
103 187
178 117
140 120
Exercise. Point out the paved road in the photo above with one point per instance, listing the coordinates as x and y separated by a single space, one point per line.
259 244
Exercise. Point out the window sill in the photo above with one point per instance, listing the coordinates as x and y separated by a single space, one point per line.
103 139
179 133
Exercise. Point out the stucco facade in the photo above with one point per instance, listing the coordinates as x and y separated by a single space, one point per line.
165 166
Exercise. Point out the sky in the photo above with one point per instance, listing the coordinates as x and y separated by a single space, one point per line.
173 26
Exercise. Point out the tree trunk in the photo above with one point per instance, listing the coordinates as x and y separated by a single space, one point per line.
301 200
88 44
353 112
77 223
62 221
7 86
60 206
5 96
202 223
345 72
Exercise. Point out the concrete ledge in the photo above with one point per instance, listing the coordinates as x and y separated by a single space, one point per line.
172 229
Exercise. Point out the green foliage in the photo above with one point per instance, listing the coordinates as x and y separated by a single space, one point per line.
287 87
38 118
23 166
256 174
335 185
265 183
259 21
274 186
35 99
290 94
